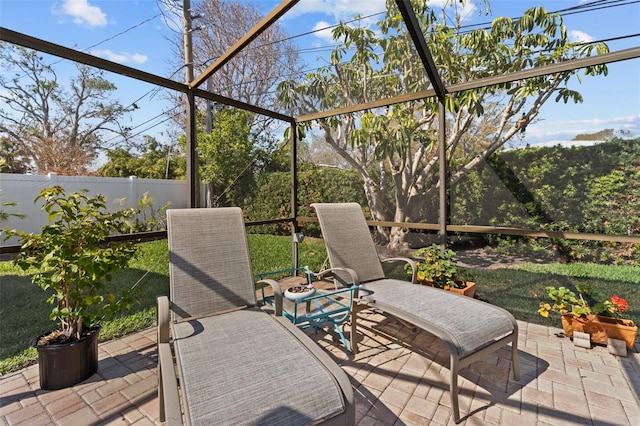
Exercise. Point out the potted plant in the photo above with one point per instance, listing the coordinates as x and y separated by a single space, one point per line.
588 312
438 268
71 260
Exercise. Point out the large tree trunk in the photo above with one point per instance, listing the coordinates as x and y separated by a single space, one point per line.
375 202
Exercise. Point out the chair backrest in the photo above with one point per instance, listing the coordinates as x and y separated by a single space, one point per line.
209 266
348 239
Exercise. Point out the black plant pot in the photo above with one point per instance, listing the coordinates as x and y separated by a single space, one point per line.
64 365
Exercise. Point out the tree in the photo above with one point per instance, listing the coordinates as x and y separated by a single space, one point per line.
227 156
11 157
53 129
250 75
394 148
154 162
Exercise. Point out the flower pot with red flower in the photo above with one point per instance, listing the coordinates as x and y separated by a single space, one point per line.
586 312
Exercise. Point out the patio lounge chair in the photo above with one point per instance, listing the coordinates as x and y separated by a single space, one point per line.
471 329
235 363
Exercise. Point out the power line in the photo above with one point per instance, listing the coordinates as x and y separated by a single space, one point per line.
123 32
583 8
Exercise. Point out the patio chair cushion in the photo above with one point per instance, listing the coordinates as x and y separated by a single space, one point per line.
265 376
237 364
464 323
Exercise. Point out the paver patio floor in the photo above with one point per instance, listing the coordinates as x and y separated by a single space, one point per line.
400 377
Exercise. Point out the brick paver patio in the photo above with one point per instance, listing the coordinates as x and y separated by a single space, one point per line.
400 378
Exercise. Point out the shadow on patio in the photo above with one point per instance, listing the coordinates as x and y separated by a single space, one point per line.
399 377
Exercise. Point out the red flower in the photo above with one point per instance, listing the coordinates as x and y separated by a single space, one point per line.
620 303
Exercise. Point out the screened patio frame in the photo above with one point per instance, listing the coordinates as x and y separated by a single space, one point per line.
438 90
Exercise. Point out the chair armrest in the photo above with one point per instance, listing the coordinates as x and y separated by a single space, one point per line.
163 319
331 273
414 269
170 411
277 294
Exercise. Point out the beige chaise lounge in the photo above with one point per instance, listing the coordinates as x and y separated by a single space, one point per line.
235 364
471 329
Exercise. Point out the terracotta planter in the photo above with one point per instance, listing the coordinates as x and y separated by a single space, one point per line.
601 328
469 289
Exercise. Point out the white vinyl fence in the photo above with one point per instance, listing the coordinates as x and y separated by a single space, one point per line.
120 192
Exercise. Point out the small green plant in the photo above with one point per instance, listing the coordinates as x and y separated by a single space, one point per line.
156 220
4 213
437 267
586 302
71 258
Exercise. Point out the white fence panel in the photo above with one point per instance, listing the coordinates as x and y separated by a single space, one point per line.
120 192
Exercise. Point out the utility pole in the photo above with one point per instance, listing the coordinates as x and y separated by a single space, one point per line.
187 41
190 128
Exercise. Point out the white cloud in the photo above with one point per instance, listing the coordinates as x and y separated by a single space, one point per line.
325 34
345 10
338 9
547 130
121 58
580 36
84 14
617 121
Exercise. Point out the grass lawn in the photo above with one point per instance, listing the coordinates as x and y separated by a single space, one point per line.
24 310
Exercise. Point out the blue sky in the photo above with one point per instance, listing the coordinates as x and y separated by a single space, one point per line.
136 33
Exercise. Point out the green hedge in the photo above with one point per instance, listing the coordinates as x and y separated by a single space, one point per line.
273 196
592 189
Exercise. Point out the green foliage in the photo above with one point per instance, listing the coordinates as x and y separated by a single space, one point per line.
563 301
153 219
613 202
588 301
392 148
591 189
272 197
154 161
71 260
6 214
437 267
27 315
226 156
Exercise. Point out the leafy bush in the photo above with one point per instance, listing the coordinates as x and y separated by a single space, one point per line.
273 196
589 189
70 257
437 267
